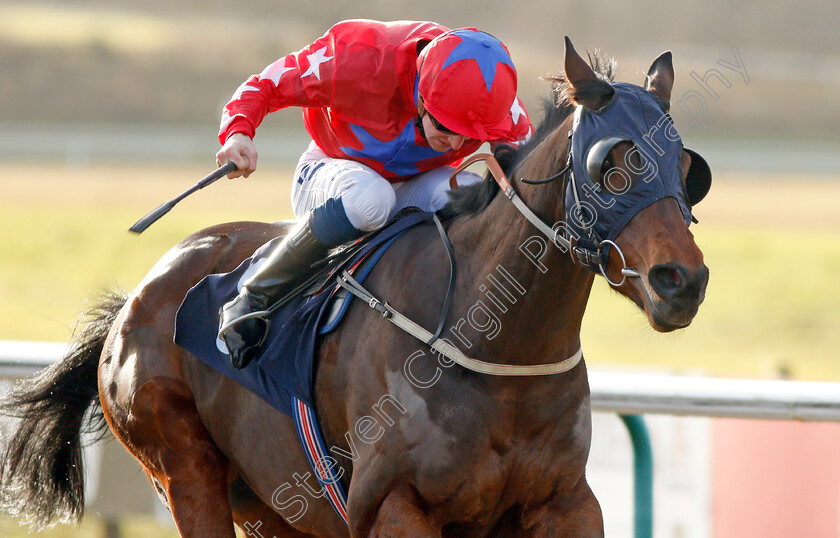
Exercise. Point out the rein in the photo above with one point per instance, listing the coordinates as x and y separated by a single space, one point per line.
588 257
554 234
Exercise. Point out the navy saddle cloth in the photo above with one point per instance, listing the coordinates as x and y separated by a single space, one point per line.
285 367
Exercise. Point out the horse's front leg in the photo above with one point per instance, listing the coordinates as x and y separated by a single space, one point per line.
566 513
400 514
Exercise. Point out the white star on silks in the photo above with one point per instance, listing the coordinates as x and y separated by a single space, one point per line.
315 61
516 111
276 70
242 89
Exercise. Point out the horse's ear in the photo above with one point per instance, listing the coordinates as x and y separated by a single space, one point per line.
660 76
578 72
585 88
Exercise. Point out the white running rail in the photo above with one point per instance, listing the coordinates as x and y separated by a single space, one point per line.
623 393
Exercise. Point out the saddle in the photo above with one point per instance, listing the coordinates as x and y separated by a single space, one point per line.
286 364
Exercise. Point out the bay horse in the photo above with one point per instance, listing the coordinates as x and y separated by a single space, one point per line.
424 448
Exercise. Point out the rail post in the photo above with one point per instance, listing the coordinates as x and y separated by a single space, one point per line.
642 475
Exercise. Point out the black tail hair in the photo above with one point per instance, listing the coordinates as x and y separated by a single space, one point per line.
41 470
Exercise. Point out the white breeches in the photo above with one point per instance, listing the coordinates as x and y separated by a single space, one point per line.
369 199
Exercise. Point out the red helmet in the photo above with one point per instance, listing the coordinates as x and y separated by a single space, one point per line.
468 83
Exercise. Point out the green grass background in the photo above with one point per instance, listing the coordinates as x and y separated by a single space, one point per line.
92 527
772 246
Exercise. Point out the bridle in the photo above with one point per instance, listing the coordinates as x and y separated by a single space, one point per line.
560 234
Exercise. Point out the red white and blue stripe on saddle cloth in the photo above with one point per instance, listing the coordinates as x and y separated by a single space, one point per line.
315 449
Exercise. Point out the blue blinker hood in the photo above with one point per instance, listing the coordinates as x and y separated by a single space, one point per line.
594 214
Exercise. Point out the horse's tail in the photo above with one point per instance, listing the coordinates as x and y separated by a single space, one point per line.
41 472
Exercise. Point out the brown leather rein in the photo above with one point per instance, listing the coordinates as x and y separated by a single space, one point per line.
554 233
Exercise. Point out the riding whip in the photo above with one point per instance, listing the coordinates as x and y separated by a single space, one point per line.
163 209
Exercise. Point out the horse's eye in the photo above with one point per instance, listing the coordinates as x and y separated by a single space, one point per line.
606 166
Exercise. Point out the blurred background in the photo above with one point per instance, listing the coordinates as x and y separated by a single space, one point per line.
108 108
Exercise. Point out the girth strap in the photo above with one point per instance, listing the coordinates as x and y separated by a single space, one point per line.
346 281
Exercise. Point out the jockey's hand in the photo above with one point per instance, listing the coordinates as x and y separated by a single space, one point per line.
240 149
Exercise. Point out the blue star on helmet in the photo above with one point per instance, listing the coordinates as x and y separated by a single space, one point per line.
398 156
485 49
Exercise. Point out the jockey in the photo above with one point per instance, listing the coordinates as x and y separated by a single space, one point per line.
389 106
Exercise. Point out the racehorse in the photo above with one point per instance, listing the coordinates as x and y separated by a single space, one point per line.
423 447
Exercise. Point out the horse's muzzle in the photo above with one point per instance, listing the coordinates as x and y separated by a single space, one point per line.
679 293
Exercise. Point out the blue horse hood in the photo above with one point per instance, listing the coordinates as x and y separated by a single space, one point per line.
594 213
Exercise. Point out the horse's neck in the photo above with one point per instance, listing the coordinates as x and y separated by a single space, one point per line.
537 303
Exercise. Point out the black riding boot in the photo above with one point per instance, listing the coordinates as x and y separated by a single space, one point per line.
243 325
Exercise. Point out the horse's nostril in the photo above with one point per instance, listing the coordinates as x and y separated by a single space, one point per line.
667 279
675 277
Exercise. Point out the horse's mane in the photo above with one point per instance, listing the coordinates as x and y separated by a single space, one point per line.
475 198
